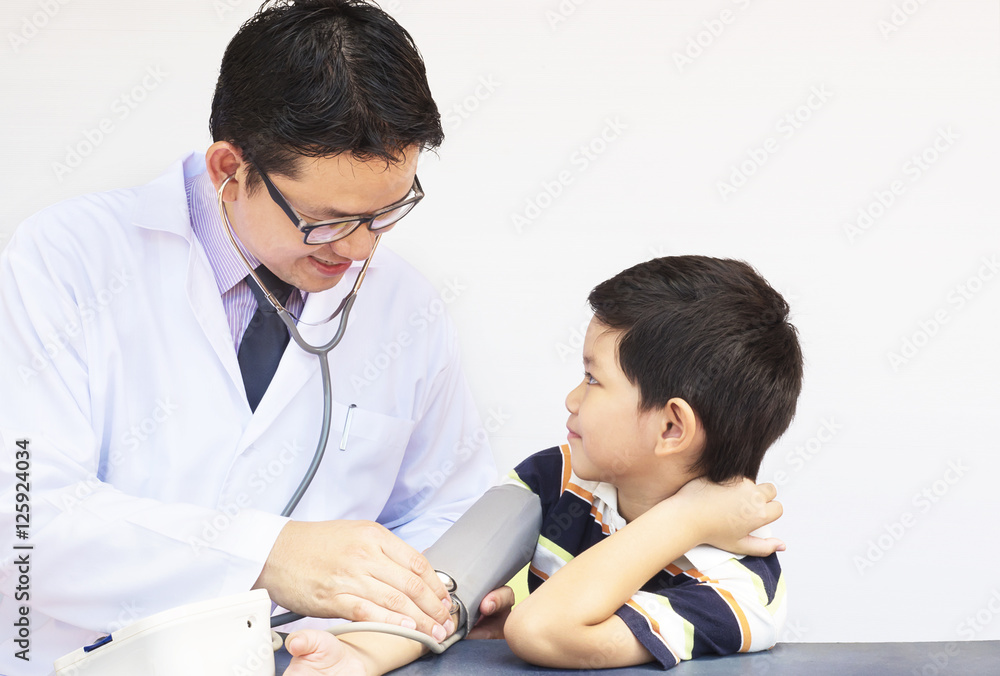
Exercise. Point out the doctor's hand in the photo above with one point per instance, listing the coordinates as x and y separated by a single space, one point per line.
493 610
357 570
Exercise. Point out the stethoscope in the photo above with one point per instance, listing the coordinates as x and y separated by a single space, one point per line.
323 352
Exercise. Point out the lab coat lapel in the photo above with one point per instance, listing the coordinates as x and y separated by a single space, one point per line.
163 206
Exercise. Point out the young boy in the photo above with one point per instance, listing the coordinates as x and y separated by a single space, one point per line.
691 371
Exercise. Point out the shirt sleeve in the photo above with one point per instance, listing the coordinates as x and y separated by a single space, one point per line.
737 605
542 474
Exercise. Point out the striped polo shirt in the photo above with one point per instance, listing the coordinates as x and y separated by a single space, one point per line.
708 602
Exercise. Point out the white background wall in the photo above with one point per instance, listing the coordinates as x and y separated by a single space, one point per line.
869 557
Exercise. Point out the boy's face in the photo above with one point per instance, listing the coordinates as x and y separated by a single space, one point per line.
609 438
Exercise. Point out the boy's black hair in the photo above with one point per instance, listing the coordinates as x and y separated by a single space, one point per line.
318 78
714 333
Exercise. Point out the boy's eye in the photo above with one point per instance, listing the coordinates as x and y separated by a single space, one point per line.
589 379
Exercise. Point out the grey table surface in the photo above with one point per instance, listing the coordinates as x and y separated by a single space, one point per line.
972 658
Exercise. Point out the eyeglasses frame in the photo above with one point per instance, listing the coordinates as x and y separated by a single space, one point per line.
306 227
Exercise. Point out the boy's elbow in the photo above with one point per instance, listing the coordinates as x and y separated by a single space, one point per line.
772 630
533 638
767 625
556 642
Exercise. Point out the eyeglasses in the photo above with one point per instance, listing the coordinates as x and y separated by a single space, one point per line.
322 232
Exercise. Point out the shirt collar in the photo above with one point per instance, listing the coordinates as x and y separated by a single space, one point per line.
605 499
208 227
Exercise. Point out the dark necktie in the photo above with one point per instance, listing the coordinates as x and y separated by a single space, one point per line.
265 339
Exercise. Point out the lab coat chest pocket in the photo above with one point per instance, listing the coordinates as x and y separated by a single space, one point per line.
364 456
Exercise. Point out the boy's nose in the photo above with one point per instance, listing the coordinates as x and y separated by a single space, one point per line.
573 398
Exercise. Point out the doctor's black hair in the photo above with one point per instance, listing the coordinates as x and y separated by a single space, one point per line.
318 78
713 333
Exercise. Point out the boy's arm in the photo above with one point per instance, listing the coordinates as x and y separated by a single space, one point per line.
320 653
570 621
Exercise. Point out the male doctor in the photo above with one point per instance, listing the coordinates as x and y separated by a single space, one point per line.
163 440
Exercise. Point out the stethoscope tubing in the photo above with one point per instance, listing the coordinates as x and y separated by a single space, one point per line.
321 351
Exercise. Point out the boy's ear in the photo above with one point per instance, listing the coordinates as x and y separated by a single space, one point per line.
680 429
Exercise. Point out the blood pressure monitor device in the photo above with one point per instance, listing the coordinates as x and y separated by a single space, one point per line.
222 636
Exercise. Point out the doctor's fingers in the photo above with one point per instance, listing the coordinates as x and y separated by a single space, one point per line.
379 602
415 562
408 592
356 550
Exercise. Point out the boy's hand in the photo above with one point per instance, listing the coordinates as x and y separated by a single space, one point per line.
726 514
320 653
493 610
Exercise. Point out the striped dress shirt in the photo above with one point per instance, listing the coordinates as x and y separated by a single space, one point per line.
229 270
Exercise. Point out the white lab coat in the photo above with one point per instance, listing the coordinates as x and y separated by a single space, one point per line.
152 484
